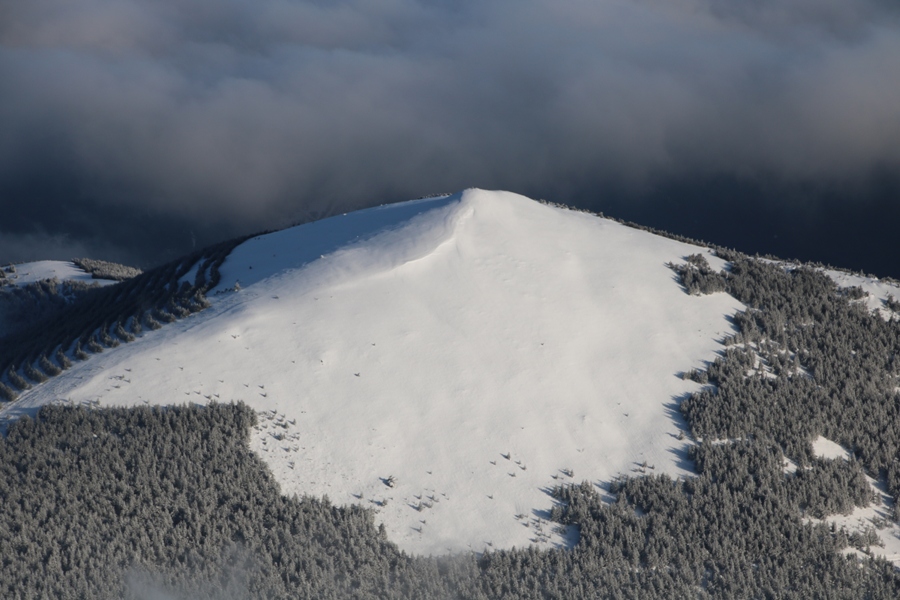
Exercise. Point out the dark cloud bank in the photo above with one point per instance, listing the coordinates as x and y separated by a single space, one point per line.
132 130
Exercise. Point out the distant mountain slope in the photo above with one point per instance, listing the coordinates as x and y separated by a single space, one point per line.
22 274
61 322
32 291
445 361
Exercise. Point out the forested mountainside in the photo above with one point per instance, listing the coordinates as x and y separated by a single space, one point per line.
169 502
33 292
147 501
24 306
475 349
809 359
57 322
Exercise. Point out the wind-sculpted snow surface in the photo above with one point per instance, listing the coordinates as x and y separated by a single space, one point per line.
445 361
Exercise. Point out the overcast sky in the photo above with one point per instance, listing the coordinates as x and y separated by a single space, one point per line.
134 130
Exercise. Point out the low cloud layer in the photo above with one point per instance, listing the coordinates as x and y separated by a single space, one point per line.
188 121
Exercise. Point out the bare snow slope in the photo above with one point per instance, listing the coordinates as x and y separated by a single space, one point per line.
476 348
62 270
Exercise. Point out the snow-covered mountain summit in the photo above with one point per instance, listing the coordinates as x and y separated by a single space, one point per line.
444 361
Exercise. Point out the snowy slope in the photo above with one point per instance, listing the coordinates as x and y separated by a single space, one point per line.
476 348
62 270
22 274
877 291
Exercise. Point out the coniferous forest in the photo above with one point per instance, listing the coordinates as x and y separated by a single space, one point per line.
149 502
126 503
54 321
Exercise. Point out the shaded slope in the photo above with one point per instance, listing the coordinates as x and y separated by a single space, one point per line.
95 318
31 292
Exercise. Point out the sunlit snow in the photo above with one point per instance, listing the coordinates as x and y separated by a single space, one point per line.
471 351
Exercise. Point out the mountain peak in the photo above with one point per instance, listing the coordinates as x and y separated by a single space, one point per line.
474 350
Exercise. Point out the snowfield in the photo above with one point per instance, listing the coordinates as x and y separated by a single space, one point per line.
62 270
443 361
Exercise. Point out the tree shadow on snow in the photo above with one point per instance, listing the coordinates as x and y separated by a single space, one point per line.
673 411
680 450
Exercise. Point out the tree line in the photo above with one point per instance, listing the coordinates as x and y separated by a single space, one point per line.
808 359
126 503
96 318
